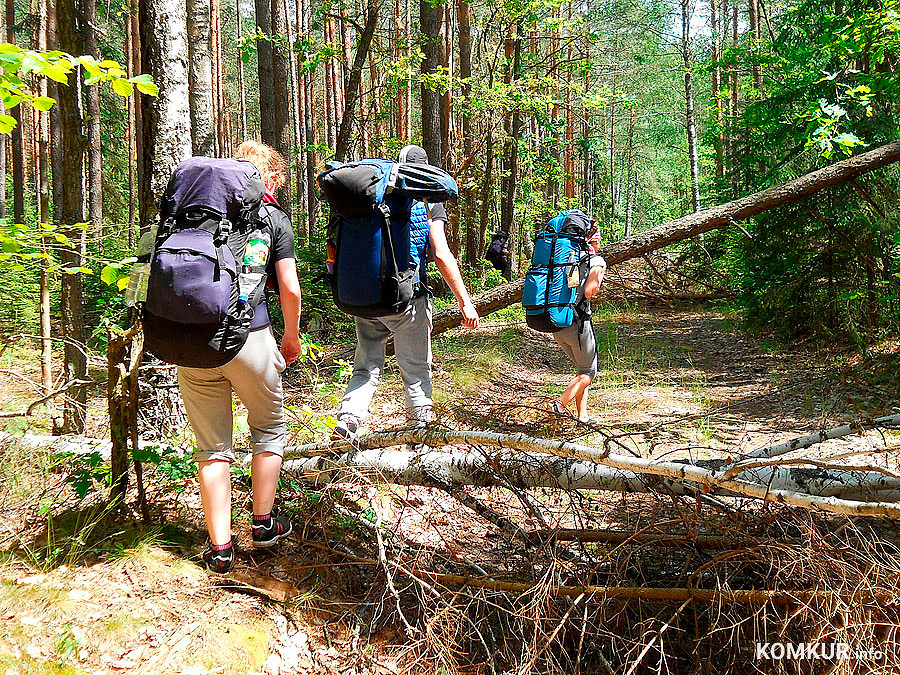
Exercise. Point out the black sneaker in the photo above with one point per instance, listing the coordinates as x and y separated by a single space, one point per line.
267 535
219 562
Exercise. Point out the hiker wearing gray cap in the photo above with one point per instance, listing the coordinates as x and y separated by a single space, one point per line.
411 329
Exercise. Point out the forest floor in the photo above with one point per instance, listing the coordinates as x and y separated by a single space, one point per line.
81 592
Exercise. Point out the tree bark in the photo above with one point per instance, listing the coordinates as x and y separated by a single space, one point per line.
298 91
430 24
716 75
92 108
689 120
342 146
281 98
513 128
697 223
200 82
629 183
264 49
310 117
242 86
43 165
131 131
70 26
165 132
18 133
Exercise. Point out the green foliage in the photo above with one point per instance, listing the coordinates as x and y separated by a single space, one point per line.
17 63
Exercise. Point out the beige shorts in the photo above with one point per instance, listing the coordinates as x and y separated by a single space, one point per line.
255 376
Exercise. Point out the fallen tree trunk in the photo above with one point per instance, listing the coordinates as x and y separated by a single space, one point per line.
697 223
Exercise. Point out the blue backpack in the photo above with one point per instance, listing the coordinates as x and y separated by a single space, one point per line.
548 301
372 270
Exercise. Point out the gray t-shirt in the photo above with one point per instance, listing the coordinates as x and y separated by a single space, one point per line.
585 265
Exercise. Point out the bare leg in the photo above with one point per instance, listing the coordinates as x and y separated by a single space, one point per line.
575 389
581 401
264 472
215 493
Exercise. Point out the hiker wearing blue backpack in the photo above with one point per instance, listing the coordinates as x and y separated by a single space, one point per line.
222 240
378 257
566 272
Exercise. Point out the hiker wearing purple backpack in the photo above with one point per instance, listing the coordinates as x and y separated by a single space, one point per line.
254 374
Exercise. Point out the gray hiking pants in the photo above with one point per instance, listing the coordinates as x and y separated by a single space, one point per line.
580 345
255 376
412 345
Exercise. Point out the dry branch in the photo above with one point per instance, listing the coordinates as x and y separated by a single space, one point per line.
698 223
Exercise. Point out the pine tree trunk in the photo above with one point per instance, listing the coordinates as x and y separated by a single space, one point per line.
43 164
92 108
71 211
510 181
430 23
242 86
18 134
402 130
131 132
487 196
464 27
629 203
264 50
690 122
310 118
716 75
299 129
735 174
220 124
342 146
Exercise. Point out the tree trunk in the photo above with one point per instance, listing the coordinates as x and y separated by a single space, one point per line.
402 130
697 223
690 122
280 102
756 34
242 86
203 140
131 131
629 202
464 23
310 117
487 196
18 133
430 23
165 121
510 181
716 75
92 108
70 26
264 50
342 146
43 164
220 122
298 91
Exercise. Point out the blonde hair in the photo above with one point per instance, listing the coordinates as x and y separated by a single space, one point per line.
267 159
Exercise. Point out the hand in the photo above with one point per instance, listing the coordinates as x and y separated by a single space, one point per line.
290 348
469 316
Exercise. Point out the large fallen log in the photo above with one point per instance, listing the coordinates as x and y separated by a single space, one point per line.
697 223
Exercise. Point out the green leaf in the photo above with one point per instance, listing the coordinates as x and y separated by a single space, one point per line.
57 72
145 84
7 123
43 103
123 88
109 275
122 282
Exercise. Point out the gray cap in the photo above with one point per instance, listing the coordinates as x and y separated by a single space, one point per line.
413 154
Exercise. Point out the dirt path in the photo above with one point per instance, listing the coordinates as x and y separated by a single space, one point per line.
131 599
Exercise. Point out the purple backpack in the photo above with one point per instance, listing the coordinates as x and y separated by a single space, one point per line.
192 316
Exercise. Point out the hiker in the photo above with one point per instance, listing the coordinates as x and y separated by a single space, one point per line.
206 195
410 328
566 272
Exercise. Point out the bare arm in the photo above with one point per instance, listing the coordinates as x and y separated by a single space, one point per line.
289 295
449 269
595 278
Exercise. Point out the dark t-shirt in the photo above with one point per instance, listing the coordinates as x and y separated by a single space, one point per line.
437 211
281 236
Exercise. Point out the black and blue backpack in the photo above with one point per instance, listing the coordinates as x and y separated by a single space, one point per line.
548 301
374 258
191 315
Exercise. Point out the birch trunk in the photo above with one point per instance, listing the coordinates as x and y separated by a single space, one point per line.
200 82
